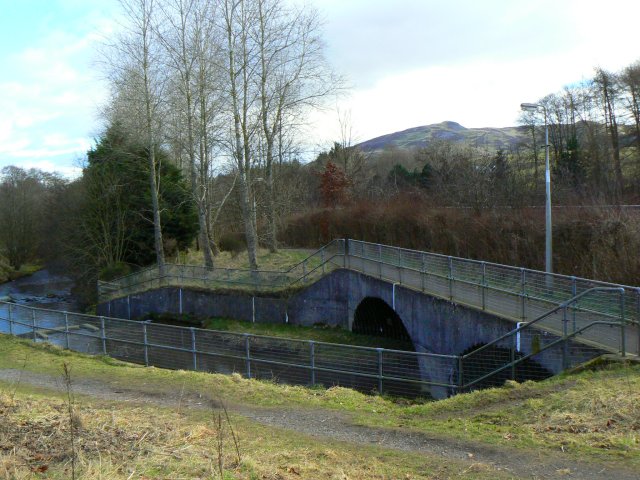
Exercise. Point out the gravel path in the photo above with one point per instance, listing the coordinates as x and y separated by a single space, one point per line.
541 464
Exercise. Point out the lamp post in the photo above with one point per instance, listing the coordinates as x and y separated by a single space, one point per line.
531 107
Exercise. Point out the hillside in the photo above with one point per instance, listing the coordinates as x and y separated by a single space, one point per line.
490 138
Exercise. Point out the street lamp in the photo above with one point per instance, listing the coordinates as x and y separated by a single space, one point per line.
531 107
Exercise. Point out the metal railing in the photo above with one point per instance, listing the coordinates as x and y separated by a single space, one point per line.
308 270
372 370
519 294
292 361
577 324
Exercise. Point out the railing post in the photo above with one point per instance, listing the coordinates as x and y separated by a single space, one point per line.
253 309
423 266
399 265
460 374
247 352
379 261
322 259
346 253
565 343
193 348
103 336
623 339
512 360
33 322
574 292
312 359
380 369
146 345
11 320
66 329
129 307
484 286
450 261
638 318
523 291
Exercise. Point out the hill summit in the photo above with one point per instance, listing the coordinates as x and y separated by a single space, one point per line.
489 138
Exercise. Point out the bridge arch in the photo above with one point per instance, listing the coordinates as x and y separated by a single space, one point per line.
373 316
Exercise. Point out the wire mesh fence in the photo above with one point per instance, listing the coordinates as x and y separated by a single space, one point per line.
529 352
283 360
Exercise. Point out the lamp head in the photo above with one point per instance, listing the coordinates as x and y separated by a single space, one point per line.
529 107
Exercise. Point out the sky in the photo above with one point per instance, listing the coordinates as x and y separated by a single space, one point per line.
406 62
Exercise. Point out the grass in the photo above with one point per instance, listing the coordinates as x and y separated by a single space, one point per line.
591 414
118 440
320 333
137 441
7 273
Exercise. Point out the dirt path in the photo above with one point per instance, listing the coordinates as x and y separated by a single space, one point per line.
540 464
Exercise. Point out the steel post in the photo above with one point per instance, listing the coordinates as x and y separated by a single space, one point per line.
312 360
193 348
623 340
66 329
247 352
484 286
33 322
380 369
523 292
565 343
450 261
10 320
146 345
103 336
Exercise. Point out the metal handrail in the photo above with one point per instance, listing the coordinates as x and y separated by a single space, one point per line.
541 317
528 356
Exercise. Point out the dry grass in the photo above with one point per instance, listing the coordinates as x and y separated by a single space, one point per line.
123 441
282 260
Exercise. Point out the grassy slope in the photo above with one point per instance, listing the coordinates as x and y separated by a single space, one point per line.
594 413
125 440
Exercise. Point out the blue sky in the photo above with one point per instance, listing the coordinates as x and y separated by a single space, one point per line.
409 62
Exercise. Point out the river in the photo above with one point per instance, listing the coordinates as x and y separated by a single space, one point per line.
43 289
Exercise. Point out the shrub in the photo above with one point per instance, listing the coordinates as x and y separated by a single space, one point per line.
234 243
116 270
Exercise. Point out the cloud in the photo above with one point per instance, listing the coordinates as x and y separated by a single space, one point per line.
48 100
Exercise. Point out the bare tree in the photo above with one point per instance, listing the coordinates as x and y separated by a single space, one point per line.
138 83
186 37
240 53
21 201
606 84
293 76
630 80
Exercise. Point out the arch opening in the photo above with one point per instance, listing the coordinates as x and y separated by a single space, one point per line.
374 316
494 357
